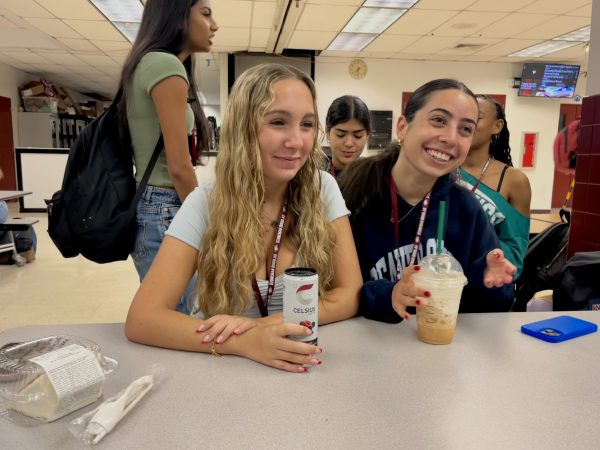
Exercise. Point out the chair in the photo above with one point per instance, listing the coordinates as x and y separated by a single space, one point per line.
15 224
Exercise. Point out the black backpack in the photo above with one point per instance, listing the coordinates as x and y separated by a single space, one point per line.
94 212
578 285
544 260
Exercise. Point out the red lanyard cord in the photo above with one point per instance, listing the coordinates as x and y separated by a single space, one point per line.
262 305
419 234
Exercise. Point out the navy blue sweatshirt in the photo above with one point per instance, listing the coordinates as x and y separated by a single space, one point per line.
469 238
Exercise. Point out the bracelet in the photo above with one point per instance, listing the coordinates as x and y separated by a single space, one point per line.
213 350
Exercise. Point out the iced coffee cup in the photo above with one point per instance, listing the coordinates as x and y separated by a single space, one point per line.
443 276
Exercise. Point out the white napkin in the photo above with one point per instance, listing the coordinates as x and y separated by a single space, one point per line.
108 414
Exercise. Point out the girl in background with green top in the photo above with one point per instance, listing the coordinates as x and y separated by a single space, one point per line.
502 190
160 95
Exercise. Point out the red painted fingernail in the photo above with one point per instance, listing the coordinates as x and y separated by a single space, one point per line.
417 268
417 302
427 294
236 331
302 369
198 330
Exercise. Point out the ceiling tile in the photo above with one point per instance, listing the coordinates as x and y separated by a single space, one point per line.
96 29
585 11
431 44
498 6
335 2
96 60
325 17
259 37
337 53
65 58
232 13
25 8
54 27
554 6
72 9
555 27
311 39
28 57
508 46
5 23
467 23
390 43
477 58
226 37
419 22
112 46
79 44
514 24
454 5
263 15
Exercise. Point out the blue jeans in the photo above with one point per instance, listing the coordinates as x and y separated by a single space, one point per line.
155 212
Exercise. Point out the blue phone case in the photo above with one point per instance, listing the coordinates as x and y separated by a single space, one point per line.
559 328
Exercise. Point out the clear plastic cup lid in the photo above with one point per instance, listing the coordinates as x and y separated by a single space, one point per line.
443 265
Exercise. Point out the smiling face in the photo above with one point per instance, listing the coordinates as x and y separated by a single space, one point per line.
286 135
201 27
347 141
438 138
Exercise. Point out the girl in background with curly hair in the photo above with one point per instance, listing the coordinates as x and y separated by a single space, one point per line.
503 191
268 184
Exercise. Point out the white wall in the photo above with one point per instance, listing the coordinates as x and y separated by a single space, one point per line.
386 80
10 80
593 87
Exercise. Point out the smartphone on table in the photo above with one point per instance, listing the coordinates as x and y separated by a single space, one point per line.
558 329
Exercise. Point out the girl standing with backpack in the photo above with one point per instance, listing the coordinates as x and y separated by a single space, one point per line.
160 95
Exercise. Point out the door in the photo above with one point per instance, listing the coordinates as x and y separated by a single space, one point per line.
7 149
560 187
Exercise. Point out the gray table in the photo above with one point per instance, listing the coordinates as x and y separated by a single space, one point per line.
378 387
10 195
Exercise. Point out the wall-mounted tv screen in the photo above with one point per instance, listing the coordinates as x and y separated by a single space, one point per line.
548 80
381 129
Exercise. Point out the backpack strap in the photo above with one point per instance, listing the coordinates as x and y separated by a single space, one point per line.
144 181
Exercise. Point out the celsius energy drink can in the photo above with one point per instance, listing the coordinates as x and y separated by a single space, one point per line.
301 300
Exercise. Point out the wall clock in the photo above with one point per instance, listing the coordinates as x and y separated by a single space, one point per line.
358 69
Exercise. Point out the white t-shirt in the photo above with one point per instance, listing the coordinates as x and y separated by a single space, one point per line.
192 219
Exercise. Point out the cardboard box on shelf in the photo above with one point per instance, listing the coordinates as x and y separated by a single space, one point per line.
40 104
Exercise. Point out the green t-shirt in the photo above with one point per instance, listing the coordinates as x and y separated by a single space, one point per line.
141 113
511 226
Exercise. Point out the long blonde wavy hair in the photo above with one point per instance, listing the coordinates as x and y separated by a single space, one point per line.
232 250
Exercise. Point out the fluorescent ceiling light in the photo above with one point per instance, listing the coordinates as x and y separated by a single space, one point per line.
128 29
372 20
544 48
351 42
406 4
581 35
120 10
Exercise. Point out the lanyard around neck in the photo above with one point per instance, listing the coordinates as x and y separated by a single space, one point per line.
419 234
332 170
485 168
262 305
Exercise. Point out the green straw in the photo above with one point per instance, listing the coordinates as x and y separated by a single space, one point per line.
441 229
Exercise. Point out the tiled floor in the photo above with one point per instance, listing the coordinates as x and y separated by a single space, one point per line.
53 289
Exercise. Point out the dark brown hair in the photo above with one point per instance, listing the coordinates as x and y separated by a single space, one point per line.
367 178
164 28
